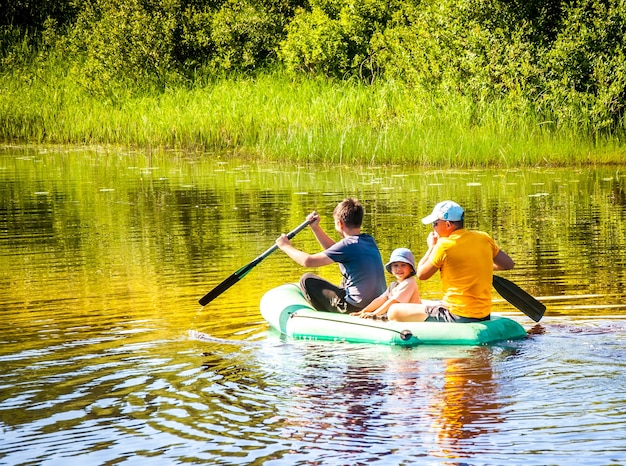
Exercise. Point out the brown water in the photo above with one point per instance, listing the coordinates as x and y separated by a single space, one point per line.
107 358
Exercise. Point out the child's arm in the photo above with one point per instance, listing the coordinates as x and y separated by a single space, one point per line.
382 309
371 307
304 259
403 292
378 307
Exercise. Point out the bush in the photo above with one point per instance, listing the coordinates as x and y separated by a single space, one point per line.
32 14
124 45
245 34
585 69
566 58
333 37
472 47
153 43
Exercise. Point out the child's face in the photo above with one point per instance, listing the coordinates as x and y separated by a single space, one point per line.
401 270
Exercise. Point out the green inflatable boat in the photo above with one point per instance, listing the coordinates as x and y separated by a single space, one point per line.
287 311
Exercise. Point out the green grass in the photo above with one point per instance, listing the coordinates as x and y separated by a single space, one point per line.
276 117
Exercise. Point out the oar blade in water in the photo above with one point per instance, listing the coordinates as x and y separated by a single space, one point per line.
519 298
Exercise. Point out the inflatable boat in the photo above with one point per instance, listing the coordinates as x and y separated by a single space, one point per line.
287 311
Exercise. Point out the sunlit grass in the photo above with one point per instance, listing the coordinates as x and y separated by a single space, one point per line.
276 117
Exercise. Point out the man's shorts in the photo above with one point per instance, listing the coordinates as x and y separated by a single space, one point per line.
438 312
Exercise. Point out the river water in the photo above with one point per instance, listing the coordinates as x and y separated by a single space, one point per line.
107 358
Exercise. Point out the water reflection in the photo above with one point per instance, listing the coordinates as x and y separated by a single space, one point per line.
114 219
103 255
468 405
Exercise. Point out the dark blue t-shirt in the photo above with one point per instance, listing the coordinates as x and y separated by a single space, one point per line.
362 268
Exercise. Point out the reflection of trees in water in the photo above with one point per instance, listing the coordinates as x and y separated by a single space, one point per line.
149 216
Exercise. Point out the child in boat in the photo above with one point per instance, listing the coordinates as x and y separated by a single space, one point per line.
357 254
402 266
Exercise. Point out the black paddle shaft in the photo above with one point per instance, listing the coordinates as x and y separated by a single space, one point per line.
239 274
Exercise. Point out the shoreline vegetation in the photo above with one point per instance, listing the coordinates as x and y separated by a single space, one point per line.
272 117
478 92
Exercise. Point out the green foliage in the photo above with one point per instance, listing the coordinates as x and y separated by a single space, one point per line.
15 46
567 60
585 69
194 43
244 34
333 37
231 35
32 14
469 46
314 44
124 45
121 47
563 61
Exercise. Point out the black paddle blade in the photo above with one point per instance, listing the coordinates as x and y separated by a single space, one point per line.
226 284
519 298
219 289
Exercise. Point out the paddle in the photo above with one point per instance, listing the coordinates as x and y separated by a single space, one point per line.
519 298
239 274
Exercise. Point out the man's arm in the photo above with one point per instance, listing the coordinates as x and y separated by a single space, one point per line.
425 268
502 261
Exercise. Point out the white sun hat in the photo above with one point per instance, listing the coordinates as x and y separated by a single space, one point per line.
401 255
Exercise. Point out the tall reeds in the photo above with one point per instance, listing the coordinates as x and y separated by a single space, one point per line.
275 116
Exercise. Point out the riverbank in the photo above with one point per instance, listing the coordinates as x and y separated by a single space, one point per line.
276 117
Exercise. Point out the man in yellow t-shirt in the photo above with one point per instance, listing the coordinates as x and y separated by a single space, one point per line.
466 260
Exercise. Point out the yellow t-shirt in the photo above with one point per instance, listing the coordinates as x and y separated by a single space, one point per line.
465 261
